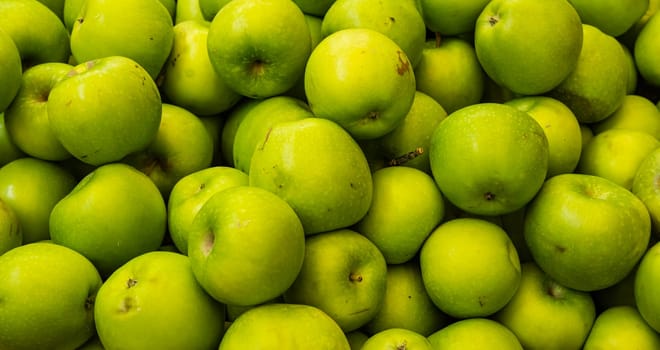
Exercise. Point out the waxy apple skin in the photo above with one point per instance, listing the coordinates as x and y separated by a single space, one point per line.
10 70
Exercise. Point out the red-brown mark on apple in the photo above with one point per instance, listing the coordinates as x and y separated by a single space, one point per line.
404 65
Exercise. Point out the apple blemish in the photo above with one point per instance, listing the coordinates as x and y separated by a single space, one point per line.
404 64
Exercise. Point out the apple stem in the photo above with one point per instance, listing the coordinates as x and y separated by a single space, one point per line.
438 39
406 157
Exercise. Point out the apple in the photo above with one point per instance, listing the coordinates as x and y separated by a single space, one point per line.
10 69
637 113
57 6
236 242
232 120
314 7
11 234
210 8
623 327
631 86
343 274
214 125
628 38
489 158
187 10
627 14
647 286
474 334
48 296
316 167
360 79
397 338
646 187
451 18
587 134
259 48
284 326
154 301
90 127
356 339
586 232
112 215
8 149
502 37
546 314
139 30
620 294
646 49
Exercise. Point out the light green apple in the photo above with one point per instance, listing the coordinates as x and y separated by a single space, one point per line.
647 287
462 251
314 23
637 113
585 231
210 8
233 119
112 215
57 6
360 79
474 334
397 338
489 158
8 149
344 274
631 86
647 188
154 301
189 195
628 38
502 37
544 314
105 109
587 134
621 327
316 167
236 242
451 18
314 7
259 48
71 12
10 70
140 30
214 125
406 206
647 49
187 10
48 296
599 14
27 119
11 233
32 187
356 339
188 79
294 326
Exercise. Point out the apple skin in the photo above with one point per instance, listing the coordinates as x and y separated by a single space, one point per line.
233 119
646 51
594 13
451 18
11 70
112 215
154 301
637 113
98 132
48 296
474 334
8 149
187 10
647 286
314 7
210 8
397 338
11 234
622 327
646 187
585 231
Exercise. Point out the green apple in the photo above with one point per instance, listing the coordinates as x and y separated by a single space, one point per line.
38 33
189 195
561 128
637 113
344 274
214 125
356 339
502 37
474 334
397 338
451 18
360 79
599 14
489 158
293 327
154 301
26 118
233 119
585 231
71 12
544 314
139 30
631 86
595 88
259 48
316 167
11 234
187 10
182 146
450 72
189 79
616 154
628 38
8 149
647 49
111 216
621 327
210 8
314 23
462 251
94 130
314 7
647 188
406 206
235 245
48 296
10 70
620 294
587 134
57 6
398 20
32 187
647 287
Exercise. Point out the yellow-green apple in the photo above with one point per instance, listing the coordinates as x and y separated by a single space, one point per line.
628 38
48 296
210 8
561 128
637 113
620 294
94 343
255 55
189 195
502 35
11 234
621 327
397 338
596 86
450 73
474 334
647 188
314 7
105 109
356 339
233 119
32 187
631 86
26 118
647 49
8 149
407 304
140 30
112 215
236 244
489 158
360 79
546 314
294 326
214 125
398 20
586 232
406 206
10 70
154 301
57 6
188 79
462 251
170 6
647 287
182 146
187 10
71 12
587 134
453 17
316 167
344 274
314 24
599 14
616 154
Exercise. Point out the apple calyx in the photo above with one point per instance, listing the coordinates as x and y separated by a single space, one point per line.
89 302
257 67
400 160
355 277
492 20
130 283
402 346
489 196
554 289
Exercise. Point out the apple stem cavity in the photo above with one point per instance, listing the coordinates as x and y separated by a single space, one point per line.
554 289
400 160
207 243
489 196
257 67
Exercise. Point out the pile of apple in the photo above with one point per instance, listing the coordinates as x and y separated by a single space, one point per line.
329 174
